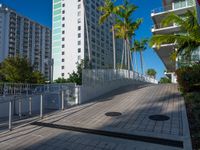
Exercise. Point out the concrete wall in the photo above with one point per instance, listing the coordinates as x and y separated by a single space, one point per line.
88 93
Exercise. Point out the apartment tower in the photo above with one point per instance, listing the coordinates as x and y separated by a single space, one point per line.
23 37
178 7
77 36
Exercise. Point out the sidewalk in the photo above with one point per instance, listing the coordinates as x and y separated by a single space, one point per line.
87 127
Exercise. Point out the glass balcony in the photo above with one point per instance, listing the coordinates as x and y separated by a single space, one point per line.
160 26
177 4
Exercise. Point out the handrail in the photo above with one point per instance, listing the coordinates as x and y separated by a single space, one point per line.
94 76
10 89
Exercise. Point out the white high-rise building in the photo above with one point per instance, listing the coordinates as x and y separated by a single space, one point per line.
178 7
23 37
77 36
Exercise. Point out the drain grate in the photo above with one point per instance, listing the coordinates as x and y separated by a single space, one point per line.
113 114
159 117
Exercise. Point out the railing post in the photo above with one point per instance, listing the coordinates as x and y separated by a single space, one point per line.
41 106
4 89
14 89
27 87
30 106
20 89
62 99
77 94
10 116
20 108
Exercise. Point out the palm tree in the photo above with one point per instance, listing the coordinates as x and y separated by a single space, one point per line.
140 46
185 43
109 10
151 73
125 28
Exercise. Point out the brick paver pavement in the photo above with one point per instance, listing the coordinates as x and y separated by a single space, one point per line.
136 105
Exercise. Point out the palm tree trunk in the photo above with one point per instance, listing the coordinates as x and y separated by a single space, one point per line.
125 47
128 52
141 60
114 49
122 60
132 62
135 57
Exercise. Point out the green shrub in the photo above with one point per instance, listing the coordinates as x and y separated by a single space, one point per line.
164 80
188 78
193 111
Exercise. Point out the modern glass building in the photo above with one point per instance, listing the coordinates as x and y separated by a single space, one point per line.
178 7
23 37
77 36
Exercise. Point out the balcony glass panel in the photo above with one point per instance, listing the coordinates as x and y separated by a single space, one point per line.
179 4
190 2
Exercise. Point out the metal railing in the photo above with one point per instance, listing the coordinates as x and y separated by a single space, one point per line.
161 26
101 76
22 96
171 7
161 9
10 89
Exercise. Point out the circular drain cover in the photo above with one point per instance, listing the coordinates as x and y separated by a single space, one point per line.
113 114
159 117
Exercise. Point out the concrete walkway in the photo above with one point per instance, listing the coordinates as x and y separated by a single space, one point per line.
86 127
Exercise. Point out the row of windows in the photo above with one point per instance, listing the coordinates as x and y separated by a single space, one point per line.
79 29
99 34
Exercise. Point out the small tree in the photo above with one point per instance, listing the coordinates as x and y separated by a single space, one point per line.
61 80
37 77
19 70
74 77
151 72
164 80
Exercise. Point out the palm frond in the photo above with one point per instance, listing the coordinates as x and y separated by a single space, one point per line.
173 18
184 43
103 18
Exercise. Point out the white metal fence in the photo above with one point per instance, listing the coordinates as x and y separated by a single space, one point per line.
99 82
10 89
35 100
102 76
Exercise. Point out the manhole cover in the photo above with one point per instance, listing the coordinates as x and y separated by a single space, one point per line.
159 117
113 114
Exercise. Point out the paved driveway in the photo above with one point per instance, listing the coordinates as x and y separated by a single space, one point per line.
87 127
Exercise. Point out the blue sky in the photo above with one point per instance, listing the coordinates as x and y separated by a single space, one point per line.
40 11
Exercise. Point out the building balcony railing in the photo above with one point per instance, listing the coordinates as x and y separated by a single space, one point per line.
162 27
172 7
165 45
161 9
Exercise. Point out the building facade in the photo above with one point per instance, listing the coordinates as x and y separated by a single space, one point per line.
77 36
178 7
23 37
